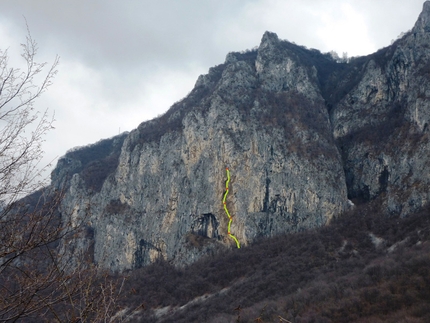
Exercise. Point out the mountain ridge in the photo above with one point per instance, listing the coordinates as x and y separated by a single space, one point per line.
302 134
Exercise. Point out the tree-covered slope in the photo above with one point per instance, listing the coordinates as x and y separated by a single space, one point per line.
364 267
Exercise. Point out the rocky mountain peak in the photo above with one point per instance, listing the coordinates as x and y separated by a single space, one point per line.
301 133
423 22
269 39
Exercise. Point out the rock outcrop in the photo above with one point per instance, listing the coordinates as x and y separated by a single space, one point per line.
301 133
381 124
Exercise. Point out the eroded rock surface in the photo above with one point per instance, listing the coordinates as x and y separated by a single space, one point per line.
300 133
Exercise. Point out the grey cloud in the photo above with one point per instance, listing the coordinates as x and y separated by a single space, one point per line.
121 34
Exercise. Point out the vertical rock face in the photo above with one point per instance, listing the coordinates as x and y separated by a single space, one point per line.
423 23
382 123
299 132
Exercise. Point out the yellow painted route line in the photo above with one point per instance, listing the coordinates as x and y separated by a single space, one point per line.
226 211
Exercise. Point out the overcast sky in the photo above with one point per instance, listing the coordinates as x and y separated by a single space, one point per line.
126 61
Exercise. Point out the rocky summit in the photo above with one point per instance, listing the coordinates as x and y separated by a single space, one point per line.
304 135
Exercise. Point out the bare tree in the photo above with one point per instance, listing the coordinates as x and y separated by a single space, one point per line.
36 278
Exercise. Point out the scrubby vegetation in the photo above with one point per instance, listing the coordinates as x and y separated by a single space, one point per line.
98 160
364 267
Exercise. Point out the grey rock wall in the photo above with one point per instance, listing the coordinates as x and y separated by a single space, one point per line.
300 133
382 124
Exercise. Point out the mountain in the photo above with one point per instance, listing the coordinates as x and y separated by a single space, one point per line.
305 137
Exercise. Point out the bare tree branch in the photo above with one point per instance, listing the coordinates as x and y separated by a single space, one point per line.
38 282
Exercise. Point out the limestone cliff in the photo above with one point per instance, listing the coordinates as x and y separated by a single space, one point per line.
381 124
300 133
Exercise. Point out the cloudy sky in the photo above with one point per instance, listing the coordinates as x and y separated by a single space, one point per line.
126 61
